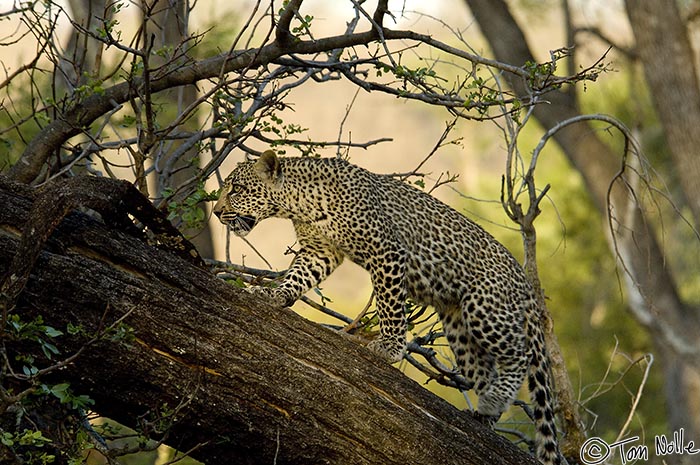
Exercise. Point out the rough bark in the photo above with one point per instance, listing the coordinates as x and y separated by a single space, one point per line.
659 306
255 385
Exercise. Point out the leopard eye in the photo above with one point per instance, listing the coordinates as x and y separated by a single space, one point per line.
236 189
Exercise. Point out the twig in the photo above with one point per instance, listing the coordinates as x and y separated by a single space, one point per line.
243 269
629 52
282 33
256 252
345 117
325 310
650 360
439 144
353 324
362 145
443 375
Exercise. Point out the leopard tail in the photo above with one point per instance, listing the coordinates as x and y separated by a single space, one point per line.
541 398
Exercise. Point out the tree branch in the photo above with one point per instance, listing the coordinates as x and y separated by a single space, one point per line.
86 111
283 35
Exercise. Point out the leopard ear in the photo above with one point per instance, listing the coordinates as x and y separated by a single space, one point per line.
268 168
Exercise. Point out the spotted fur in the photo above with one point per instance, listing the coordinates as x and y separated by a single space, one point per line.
413 246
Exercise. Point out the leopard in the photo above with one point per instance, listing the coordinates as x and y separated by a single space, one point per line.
416 249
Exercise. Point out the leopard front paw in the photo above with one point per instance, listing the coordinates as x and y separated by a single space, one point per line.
391 350
273 295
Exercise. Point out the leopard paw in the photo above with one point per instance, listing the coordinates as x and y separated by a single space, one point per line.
390 350
268 293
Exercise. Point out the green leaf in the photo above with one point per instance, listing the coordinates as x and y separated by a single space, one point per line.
74 329
32 438
30 370
81 401
49 349
7 439
52 332
128 121
59 391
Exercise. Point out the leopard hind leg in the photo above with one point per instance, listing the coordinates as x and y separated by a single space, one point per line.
476 366
454 328
500 360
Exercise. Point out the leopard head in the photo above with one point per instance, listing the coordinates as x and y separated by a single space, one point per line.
248 196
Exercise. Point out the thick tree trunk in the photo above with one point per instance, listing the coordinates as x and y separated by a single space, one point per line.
251 384
669 67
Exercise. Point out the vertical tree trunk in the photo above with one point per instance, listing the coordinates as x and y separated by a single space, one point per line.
169 25
83 54
669 63
669 67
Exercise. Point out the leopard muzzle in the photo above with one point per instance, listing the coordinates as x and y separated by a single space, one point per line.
239 224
